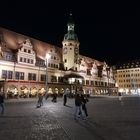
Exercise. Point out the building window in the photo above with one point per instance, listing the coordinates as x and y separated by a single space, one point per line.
95 83
52 65
21 59
29 51
92 83
49 65
88 72
25 50
24 59
87 82
102 83
43 77
10 74
32 76
4 74
65 60
22 75
19 75
28 61
56 66
60 79
53 79
32 61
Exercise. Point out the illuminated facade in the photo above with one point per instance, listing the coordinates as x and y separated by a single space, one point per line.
23 67
127 76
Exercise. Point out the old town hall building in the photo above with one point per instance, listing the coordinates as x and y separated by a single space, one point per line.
25 70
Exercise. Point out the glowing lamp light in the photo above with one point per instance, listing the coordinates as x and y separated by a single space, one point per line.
47 56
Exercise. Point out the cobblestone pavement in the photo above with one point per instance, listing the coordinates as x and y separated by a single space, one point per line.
109 119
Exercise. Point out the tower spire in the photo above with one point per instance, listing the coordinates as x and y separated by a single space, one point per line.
70 29
70 23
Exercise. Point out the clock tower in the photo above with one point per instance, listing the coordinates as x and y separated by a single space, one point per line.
70 47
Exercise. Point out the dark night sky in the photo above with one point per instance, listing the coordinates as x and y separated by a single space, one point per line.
107 31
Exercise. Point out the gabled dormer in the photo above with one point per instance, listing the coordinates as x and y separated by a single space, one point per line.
26 54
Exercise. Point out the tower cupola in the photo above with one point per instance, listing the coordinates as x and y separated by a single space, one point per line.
70 30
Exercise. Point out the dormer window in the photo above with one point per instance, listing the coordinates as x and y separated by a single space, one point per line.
31 61
25 50
20 59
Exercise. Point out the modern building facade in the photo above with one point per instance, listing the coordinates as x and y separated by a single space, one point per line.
127 76
25 70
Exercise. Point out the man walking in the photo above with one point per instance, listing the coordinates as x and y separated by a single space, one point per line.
78 107
2 102
65 97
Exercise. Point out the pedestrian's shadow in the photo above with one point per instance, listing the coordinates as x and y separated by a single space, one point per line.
68 106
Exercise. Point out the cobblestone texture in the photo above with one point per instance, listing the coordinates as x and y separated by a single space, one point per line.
109 119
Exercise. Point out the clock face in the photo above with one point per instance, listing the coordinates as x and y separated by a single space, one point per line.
65 51
76 50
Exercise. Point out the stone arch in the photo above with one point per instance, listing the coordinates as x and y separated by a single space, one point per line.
33 92
61 91
23 91
12 91
56 90
50 91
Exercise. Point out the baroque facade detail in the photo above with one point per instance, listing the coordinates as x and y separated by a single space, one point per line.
23 68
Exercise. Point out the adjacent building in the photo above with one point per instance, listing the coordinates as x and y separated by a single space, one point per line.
127 76
25 70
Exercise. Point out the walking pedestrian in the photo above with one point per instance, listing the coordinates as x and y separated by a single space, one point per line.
78 107
46 95
120 96
65 97
54 99
2 102
40 100
84 108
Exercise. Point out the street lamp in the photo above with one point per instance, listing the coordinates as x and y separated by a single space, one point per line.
46 59
108 69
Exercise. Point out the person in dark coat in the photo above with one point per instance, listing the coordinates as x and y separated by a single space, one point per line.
84 101
65 97
40 100
78 107
2 102
54 99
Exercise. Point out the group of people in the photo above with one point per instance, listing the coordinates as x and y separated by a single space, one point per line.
80 104
42 95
